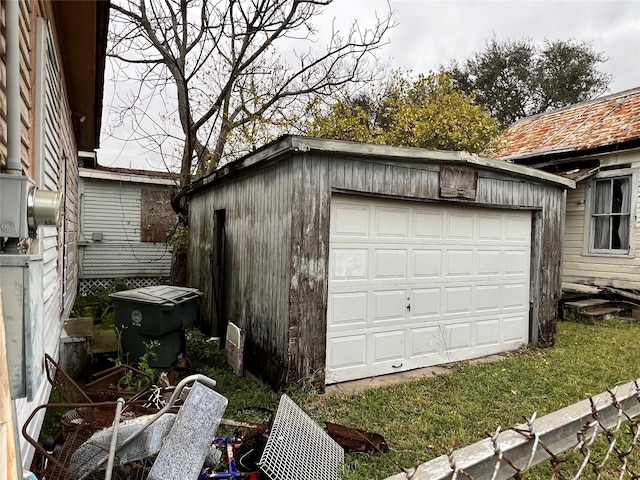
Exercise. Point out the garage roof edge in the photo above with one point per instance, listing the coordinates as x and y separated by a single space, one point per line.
295 143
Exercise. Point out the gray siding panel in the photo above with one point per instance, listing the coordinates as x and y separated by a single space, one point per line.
123 260
111 209
114 210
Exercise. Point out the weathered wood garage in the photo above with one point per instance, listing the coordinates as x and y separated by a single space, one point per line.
343 260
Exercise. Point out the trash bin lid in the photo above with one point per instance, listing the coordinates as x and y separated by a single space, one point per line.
158 295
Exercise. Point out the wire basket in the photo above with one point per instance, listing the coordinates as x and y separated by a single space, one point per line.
63 383
79 423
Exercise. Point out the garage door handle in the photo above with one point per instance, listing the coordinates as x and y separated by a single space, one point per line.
409 307
397 366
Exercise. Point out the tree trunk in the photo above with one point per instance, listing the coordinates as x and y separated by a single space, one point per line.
178 275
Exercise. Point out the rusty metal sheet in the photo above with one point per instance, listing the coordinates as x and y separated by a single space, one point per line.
356 439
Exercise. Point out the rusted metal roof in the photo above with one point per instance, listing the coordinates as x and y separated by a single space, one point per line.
596 124
578 174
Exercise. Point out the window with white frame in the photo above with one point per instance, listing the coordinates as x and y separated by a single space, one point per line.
610 215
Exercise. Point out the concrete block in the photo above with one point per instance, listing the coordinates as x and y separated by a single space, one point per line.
75 346
188 443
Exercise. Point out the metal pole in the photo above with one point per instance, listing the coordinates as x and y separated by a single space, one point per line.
176 395
114 439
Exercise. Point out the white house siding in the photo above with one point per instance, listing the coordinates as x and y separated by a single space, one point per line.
48 141
107 260
619 271
113 209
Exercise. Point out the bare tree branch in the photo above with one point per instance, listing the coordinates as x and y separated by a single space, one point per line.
244 65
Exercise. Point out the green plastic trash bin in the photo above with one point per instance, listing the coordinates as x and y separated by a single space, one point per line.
155 313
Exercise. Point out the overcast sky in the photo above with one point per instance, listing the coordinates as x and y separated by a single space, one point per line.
429 33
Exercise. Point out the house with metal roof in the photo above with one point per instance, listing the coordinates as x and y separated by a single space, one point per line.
597 144
342 260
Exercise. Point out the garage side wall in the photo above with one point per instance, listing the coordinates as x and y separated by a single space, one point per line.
316 176
257 209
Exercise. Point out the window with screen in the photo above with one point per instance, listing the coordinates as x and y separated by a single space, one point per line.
610 215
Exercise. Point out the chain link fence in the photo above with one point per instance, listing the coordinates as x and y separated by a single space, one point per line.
596 438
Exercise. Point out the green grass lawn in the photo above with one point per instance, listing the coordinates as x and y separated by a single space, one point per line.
423 419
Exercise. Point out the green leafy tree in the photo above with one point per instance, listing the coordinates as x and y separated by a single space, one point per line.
516 79
425 112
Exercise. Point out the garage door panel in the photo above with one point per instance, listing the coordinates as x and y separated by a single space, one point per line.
348 309
428 225
427 263
514 329
391 264
457 300
350 221
489 227
389 305
518 229
427 284
515 296
349 264
347 351
458 263
423 341
425 303
456 336
516 262
392 223
460 226
488 333
488 263
388 346
488 298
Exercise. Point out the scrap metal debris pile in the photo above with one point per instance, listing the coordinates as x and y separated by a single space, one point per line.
168 430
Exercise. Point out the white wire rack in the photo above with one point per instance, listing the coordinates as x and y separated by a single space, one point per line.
299 449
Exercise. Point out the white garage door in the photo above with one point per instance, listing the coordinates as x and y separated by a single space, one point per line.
413 285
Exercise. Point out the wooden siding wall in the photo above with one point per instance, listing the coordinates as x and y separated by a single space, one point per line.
277 222
257 251
114 209
601 270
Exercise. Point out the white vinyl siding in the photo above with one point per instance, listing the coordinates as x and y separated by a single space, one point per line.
48 114
125 260
413 285
48 158
113 210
